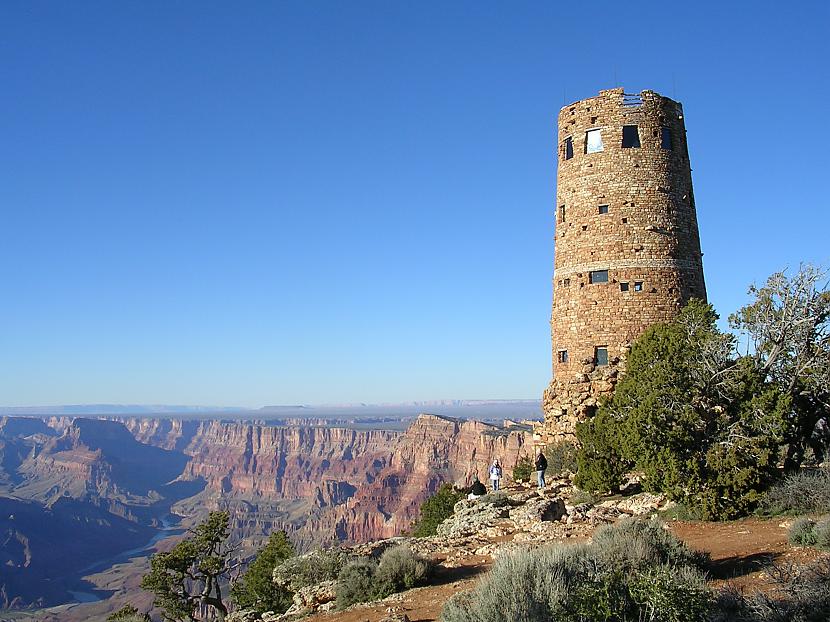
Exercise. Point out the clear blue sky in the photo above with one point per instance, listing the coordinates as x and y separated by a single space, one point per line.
271 202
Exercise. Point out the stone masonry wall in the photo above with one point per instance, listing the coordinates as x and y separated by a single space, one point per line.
629 211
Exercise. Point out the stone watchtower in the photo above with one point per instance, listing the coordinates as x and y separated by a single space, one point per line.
627 248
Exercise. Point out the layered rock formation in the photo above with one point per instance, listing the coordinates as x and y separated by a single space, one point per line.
322 484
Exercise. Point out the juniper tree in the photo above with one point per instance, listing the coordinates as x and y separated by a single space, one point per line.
255 589
788 323
189 576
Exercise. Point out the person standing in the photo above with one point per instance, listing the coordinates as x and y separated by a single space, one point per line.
541 466
495 474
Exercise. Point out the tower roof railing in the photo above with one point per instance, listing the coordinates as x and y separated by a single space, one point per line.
632 100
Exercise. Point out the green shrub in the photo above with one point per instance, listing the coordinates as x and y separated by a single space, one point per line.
681 511
703 426
653 578
806 492
401 569
599 461
436 510
580 497
671 594
256 589
802 532
822 532
310 569
128 613
561 457
524 469
356 583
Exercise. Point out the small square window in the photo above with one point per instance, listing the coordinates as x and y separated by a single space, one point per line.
593 141
601 356
598 276
624 286
603 209
566 282
562 356
630 136
625 221
569 148
665 138
638 286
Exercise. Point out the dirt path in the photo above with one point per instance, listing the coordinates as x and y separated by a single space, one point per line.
739 550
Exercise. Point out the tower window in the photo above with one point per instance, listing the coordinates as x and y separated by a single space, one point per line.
569 148
562 356
603 209
624 286
665 138
593 141
638 286
561 214
566 282
631 137
601 356
598 276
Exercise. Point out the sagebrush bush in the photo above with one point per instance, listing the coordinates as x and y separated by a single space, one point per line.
802 532
822 532
356 583
806 492
636 543
802 594
401 569
310 569
652 579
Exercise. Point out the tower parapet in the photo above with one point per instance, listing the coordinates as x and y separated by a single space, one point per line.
627 248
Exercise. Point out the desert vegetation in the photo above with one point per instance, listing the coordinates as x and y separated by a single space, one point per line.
435 510
635 570
709 427
365 580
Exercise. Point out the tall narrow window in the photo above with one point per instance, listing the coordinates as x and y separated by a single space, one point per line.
665 138
562 356
561 214
631 137
603 209
569 148
598 276
601 356
593 141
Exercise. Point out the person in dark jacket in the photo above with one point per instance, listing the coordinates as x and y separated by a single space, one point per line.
541 466
478 488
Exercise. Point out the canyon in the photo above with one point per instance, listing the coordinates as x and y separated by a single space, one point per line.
115 482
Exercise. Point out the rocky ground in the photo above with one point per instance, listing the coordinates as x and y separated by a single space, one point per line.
484 529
